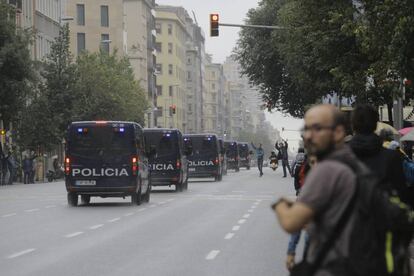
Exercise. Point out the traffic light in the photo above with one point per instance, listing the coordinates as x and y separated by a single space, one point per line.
173 108
2 132
214 24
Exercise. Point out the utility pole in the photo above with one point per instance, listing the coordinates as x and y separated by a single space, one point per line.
398 107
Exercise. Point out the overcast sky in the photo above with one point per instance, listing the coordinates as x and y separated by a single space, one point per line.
231 11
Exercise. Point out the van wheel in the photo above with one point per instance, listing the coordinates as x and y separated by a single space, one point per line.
147 195
248 168
85 199
136 198
179 187
73 199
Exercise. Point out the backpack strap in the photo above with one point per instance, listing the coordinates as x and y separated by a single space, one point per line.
339 227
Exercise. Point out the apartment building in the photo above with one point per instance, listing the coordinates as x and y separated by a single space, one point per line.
171 83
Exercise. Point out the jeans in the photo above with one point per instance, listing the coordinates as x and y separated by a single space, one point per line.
285 163
26 177
294 240
12 174
260 165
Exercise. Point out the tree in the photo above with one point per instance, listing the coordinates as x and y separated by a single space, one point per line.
351 48
106 89
48 115
16 66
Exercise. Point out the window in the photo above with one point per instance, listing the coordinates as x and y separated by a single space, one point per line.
170 48
213 97
158 47
190 107
158 28
158 67
170 91
188 75
81 42
213 74
213 86
189 61
159 111
170 69
80 14
170 29
104 16
105 43
159 90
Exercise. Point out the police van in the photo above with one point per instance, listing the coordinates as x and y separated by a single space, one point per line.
106 159
223 157
170 165
232 153
205 158
244 155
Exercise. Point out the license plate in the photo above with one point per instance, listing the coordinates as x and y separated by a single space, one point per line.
191 169
85 182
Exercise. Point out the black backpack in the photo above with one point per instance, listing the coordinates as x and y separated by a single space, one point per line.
383 229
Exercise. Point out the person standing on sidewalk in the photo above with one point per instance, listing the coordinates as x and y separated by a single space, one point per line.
11 166
327 192
259 154
27 169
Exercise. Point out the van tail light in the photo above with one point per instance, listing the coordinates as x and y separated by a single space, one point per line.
178 164
217 161
135 165
67 165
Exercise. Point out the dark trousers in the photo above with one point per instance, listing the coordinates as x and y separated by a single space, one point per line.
26 177
285 164
12 174
260 165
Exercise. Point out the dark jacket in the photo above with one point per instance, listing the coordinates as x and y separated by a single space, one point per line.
386 164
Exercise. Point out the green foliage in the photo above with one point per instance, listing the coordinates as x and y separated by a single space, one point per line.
16 67
360 50
106 89
98 86
257 138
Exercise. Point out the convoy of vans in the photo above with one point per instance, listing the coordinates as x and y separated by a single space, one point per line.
121 159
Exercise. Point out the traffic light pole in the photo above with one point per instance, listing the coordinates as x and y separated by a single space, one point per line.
253 26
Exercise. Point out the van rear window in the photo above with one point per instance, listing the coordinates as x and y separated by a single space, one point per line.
103 141
165 143
204 144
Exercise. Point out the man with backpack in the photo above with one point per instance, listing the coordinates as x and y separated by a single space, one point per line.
350 223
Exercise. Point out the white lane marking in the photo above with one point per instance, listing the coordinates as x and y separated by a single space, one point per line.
50 206
153 205
253 207
113 220
241 221
8 215
212 255
241 192
246 216
169 200
229 236
163 202
128 214
250 210
32 210
73 234
96 226
235 228
21 253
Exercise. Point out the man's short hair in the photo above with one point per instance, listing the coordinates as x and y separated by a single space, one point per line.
364 119
339 118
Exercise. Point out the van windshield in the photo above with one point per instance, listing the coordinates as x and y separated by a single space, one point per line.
165 143
100 141
231 149
203 145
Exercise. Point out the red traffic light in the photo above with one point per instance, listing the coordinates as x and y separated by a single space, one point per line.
214 24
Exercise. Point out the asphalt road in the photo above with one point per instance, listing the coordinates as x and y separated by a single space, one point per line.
214 228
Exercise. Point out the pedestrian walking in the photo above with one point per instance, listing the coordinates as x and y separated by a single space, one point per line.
296 167
386 164
327 192
259 155
283 149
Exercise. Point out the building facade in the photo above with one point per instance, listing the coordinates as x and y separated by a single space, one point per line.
171 66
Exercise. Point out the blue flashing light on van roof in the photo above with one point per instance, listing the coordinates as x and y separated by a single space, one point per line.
121 129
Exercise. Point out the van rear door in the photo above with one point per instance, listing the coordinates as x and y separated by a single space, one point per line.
101 154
